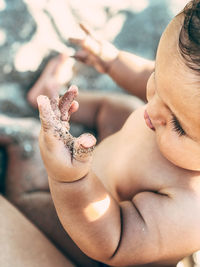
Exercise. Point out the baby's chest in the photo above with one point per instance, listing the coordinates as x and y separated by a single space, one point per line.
127 169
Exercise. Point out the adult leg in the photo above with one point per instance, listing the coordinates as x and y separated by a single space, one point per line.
22 244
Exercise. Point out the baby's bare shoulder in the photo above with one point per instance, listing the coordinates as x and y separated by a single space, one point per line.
177 207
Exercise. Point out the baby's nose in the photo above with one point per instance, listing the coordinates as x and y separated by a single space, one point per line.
157 111
150 87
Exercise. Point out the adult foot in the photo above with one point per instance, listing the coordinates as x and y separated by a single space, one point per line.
54 76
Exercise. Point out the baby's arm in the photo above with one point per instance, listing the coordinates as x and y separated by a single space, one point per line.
74 187
149 228
129 71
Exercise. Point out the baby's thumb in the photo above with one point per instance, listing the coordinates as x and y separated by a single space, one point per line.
83 147
45 112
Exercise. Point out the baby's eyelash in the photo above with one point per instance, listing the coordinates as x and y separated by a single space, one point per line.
177 127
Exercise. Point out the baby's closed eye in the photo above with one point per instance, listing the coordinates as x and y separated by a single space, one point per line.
176 126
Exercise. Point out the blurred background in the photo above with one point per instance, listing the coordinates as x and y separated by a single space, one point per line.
33 31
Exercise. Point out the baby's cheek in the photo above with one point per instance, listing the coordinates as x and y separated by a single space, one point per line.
179 150
167 145
172 148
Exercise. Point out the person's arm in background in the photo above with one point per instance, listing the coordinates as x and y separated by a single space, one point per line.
129 71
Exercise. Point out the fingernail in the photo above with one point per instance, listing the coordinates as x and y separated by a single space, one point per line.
73 88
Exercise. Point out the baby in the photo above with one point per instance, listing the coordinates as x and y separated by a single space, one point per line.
136 199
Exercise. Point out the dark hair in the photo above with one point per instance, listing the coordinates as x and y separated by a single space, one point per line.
189 38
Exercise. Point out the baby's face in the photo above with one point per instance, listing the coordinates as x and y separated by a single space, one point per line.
173 93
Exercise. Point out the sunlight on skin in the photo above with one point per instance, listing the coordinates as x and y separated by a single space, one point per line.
191 261
180 264
97 209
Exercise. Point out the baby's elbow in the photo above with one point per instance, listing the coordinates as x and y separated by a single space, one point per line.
105 250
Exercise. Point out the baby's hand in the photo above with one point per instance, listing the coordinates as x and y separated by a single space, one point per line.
66 158
95 52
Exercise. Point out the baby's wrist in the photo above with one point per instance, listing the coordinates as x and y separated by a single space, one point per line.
68 179
113 63
108 54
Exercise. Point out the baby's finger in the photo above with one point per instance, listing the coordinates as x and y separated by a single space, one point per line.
74 107
54 101
66 102
85 28
89 32
47 115
85 57
83 147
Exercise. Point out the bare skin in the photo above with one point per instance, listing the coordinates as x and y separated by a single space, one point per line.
23 244
138 204
96 112
124 68
27 185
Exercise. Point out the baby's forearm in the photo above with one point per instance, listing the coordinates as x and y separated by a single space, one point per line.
89 214
131 72
97 223
87 211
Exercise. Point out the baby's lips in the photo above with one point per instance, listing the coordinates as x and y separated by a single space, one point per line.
148 121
